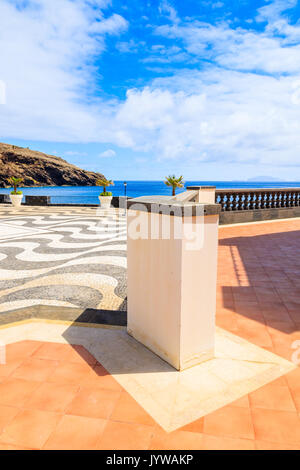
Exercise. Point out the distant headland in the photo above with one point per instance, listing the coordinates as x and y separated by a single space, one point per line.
39 169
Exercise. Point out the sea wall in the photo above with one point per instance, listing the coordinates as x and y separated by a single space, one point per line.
258 215
237 206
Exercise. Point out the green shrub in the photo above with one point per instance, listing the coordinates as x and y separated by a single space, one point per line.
104 183
174 183
15 182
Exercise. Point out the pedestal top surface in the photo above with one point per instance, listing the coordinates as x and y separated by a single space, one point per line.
170 206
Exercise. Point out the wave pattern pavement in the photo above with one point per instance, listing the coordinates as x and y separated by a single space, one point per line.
72 257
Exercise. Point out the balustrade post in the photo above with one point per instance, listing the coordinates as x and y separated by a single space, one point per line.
269 200
235 201
241 201
252 201
221 199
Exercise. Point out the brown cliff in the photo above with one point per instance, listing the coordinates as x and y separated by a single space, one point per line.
40 169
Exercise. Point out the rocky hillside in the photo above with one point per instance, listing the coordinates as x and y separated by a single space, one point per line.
40 169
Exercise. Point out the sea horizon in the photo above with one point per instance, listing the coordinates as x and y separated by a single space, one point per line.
136 188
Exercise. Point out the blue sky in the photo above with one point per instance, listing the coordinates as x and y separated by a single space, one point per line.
141 89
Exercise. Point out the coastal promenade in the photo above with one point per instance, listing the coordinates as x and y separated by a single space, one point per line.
46 251
71 382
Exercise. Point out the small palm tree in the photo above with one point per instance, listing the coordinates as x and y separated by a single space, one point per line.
15 183
104 183
174 182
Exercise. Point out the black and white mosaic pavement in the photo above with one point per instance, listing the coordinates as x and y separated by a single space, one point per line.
64 257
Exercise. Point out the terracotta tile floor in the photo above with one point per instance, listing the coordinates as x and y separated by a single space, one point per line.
55 396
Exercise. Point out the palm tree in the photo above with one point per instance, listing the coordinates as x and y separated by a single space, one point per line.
104 183
15 183
174 182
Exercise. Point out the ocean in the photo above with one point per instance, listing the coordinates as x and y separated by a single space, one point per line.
89 194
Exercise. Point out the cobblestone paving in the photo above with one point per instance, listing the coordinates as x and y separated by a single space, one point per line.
64 257
80 405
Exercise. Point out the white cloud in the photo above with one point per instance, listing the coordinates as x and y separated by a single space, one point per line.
108 153
221 114
167 54
225 110
239 48
130 46
47 50
274 9
217 5
238 103
166 8
112 25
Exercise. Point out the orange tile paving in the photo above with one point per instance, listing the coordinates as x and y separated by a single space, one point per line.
56 396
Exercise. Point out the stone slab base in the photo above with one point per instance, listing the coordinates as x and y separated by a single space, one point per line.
172 398
238 217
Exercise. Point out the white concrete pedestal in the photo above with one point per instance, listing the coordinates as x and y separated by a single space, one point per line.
171 280
206 194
